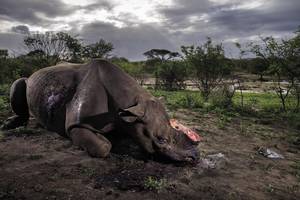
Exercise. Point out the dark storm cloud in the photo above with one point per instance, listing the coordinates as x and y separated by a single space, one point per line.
229 21
279 16
177 15
98 5
22 29
130 42
27 10
185 22
272 16
183 8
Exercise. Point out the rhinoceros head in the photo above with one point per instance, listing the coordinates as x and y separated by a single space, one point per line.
150 126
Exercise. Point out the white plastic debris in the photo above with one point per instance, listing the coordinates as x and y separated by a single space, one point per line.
268 153
213 161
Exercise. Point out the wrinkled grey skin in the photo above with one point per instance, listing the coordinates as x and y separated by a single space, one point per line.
85 101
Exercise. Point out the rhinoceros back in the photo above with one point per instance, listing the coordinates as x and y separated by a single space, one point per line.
48 92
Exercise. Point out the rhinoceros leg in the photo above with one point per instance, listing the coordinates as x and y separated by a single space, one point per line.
19 105
87 115
95 144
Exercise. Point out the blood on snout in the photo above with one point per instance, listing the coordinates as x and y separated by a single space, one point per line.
189 132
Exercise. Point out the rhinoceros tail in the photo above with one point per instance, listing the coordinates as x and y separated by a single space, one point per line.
19 105
18 98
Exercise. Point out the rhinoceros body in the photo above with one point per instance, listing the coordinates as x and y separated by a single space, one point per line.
80 92
84 101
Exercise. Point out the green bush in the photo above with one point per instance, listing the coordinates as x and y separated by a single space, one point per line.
190 101
222 97
207 65
154 184
4 97
3 104
171 75
134 69
22 66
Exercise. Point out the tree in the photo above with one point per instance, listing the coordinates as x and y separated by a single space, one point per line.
258 66
3 53
239 63
46 49
208 65
156 57
294 62
172 74
74 47
100 49
160 55
4 68
282 59
54 46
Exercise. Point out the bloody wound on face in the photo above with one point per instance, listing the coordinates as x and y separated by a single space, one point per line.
189 132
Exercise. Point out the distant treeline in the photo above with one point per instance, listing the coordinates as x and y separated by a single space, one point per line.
205 65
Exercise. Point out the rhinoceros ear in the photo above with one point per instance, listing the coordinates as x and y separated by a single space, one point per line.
132 113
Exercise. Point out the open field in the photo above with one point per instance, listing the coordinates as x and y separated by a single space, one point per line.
37 164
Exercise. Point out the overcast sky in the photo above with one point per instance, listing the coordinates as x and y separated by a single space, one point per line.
135 26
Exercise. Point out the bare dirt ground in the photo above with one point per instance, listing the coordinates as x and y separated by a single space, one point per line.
36 164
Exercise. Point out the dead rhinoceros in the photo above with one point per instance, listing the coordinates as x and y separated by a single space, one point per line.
84 102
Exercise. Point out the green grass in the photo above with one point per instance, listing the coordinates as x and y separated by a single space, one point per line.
87 171
180 99
262 101
259 105
193 99
4 97
154 184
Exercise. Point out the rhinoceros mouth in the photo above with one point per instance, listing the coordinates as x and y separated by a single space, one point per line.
168 155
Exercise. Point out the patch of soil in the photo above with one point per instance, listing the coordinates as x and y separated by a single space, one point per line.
37 164
134 178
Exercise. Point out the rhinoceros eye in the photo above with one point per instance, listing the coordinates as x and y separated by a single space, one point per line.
161 140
